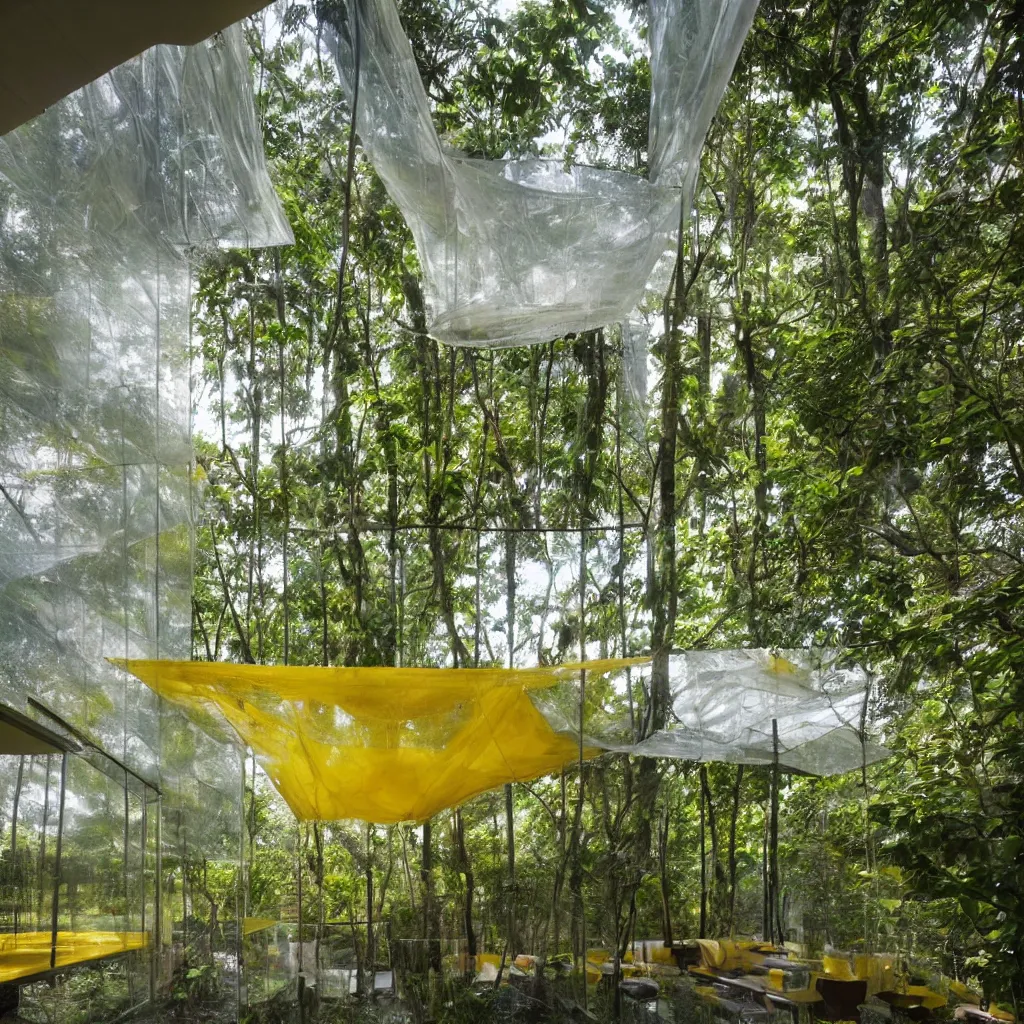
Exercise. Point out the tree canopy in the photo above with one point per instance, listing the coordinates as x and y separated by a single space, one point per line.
819 441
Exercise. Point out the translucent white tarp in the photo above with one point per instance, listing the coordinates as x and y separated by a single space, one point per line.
104 201
522 251
724 704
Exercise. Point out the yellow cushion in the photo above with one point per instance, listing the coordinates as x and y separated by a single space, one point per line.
929 999
963 993
711 952
837 967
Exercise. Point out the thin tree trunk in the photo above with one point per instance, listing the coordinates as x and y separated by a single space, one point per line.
467 872
371 958
732 848
666 905
765 881
703 933
713 919
431 929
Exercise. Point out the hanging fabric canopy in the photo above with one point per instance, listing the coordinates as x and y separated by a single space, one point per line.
724 704
380 744
522 251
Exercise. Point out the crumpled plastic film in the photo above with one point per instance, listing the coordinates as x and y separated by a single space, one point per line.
104 202
635 336
520 252
380 744
724 703
166 144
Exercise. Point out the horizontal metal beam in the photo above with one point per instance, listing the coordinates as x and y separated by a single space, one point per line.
91 744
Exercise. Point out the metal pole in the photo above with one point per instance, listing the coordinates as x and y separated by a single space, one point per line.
142 851
14 835
158 923
510 827
298 851
773 908
583 697
56 862
127 919
241 894
42 839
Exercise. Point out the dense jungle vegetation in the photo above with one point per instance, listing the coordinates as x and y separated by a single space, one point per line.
830 451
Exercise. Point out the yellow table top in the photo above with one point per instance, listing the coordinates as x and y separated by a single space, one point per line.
27 953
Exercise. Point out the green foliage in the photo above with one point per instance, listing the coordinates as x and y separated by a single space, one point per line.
846 438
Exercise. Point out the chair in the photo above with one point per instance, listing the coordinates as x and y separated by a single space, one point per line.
842 999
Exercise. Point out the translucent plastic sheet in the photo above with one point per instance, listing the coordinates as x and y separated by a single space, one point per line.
724 704
104 201
380 744
518 252
99 199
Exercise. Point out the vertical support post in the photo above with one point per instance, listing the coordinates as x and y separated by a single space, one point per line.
42 838
583 701
142 851
241 898
55 909
158 901
370 957
298 864
127 845
244 866
703 862
14 832
773 851
279 283
510 825
157 439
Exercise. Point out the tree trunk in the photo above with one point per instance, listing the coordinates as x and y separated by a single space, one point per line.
732 848
431 920
666 905
467 872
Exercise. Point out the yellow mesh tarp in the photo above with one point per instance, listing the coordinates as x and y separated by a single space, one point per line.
27 953
380 744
